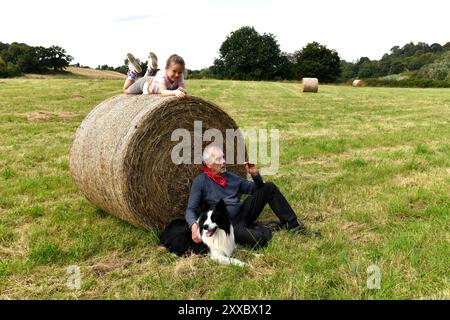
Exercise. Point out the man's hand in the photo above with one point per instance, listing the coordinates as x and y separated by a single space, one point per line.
195 233
251 168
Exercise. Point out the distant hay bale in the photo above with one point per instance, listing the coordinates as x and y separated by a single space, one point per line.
121 155
310 85
358 83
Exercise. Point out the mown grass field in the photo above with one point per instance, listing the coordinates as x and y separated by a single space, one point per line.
369 167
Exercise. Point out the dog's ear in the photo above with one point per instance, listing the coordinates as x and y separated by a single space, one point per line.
204 207
220 206
222 217
201 219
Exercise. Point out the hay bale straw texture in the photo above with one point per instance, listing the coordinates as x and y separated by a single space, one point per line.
121 161
310 85
357 83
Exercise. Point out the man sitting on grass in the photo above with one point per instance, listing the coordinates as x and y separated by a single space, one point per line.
215 183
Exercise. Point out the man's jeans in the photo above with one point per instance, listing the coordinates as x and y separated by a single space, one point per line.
251 233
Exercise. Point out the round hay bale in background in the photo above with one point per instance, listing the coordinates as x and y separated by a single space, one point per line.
310 85
121 155
358 83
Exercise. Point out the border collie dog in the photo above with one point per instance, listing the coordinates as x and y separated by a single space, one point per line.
215 230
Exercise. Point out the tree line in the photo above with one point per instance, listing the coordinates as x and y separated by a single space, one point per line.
248 55
419 60
18 58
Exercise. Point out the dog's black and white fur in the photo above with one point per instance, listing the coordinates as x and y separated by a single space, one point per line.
216 232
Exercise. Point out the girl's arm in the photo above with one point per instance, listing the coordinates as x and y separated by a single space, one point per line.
166 93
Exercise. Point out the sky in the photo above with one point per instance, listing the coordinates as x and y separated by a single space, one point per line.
98 32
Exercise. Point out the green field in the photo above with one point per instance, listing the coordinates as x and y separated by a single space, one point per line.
369 167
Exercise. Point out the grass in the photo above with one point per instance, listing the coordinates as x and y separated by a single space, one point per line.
369 167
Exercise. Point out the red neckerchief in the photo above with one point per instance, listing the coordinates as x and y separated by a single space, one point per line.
218 178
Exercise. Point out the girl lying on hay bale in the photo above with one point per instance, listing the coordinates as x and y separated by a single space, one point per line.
167 82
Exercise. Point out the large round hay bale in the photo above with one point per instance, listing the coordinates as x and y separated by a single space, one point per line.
121 155
310 85
358 83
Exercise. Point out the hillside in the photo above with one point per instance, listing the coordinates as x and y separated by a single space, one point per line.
78 73
96 74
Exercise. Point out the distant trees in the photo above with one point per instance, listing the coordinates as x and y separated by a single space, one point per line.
438 70
54 58
3 68
247 55
420 60
363 68
17 58
316 60
123 68
105 67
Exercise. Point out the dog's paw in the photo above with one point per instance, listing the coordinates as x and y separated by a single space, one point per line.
237 262
228 260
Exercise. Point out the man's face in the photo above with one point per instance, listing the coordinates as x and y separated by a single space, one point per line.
218 164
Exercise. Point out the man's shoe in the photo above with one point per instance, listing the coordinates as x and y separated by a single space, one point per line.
278 225
301 229
133 64
298 228
274 225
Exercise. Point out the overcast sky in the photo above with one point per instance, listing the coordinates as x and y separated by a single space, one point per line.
102 31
